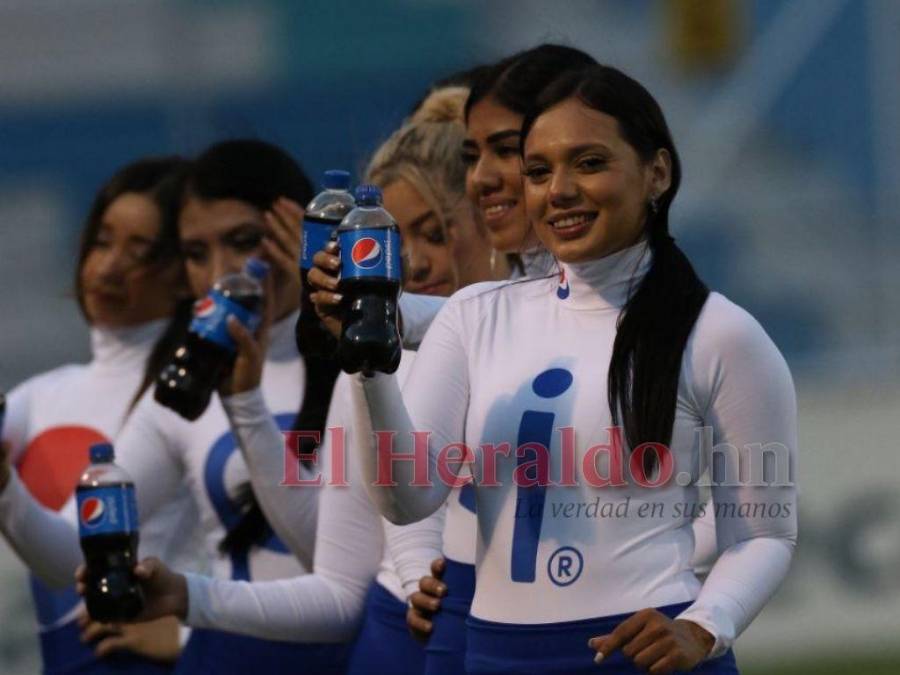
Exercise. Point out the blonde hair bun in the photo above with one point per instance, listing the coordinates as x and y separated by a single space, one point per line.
441 106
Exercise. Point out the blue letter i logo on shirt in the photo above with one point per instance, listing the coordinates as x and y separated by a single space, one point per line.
536 427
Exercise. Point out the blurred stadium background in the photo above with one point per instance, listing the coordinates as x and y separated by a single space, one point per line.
786 114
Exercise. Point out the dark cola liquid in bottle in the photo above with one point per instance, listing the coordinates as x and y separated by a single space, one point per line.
207 355
370 283
108 528
323 216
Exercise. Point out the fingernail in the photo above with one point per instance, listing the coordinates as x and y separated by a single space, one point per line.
338 297
442 589
599 657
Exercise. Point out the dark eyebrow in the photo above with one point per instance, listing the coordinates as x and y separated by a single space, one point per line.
469 144
141 239
239 228
534 157
420 220
573 151
587 147
503 135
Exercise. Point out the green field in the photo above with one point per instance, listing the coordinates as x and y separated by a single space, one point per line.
833 666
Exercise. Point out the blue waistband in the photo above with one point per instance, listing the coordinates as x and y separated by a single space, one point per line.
383 607
494 647
460 580
384 644
213 651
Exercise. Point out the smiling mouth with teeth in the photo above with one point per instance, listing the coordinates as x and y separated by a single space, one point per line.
496 210
572 221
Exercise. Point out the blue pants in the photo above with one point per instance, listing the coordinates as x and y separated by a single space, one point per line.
63 653
384 644
541 649
446 649
213 652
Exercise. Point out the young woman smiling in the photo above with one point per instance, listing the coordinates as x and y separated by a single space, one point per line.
627 338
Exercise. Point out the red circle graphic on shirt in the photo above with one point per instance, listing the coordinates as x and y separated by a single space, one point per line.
54 461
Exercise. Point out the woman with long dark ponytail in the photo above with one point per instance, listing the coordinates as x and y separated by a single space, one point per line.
591 402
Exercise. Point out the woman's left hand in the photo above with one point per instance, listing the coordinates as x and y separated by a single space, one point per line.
656 643
281 249
246 373
158 640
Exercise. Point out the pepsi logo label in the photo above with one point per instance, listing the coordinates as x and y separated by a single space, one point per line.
92 512
366 253
204 308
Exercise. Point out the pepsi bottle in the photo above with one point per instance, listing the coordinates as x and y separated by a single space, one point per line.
370 283
108 527
323 216
207 355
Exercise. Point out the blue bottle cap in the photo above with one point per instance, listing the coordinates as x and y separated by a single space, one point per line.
256 268
336 179
102 453
368 195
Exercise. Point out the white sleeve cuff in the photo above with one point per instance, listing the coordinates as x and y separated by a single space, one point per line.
245 407
198 600
714 615
739 585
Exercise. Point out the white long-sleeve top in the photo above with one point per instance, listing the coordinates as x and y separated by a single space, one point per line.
417 312
354 543
520 362
460 524
161 451
52 419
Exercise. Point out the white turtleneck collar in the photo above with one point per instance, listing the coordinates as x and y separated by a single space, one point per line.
282 343
127 347
606 283
537 262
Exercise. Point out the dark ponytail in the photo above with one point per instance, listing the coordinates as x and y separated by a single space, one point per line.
655 323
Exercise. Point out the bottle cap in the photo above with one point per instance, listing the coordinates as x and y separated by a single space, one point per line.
336 179
256 268
101 453
368 195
